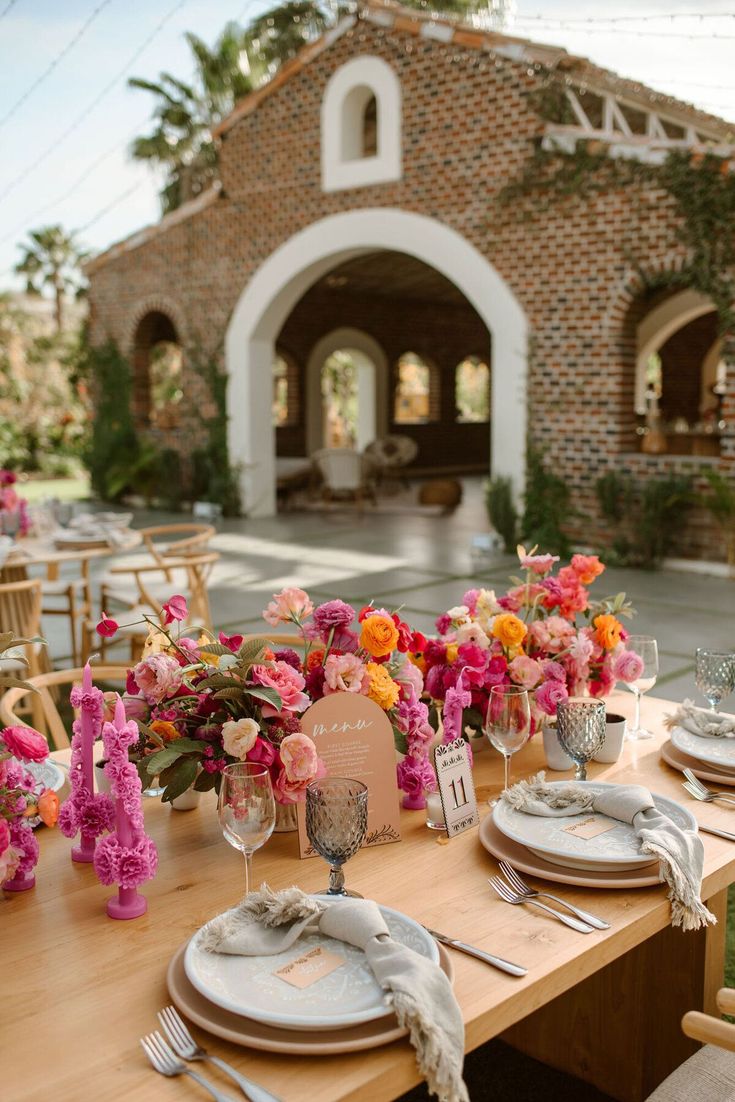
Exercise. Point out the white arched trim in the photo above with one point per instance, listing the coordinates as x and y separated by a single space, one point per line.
372 385
346 96
287 274
656 328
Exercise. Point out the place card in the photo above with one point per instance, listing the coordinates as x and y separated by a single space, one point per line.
456 786
591 827
354 738
312 966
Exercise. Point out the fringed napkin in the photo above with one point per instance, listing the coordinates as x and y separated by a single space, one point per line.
680 852
699 721
268 922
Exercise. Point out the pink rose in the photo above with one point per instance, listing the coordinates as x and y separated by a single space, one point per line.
287 682
538 564
9 862
135 707
299 757
290 605
525 671
628 666
548 695
261 752
4 835
25 743
158 676
345 673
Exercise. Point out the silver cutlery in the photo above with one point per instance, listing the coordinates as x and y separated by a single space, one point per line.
523 888
164 1061
471 951
720 833
700 791
509 896
187 1048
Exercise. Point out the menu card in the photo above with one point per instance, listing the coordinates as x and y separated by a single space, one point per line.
354 739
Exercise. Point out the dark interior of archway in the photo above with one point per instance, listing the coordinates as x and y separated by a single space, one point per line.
682 358
405 305
153 329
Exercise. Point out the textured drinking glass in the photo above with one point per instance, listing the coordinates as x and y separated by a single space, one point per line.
247 809
336 823
646 647
715 675
508 722
11 523
580 726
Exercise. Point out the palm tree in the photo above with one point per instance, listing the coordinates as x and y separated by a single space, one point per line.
240 60
51 259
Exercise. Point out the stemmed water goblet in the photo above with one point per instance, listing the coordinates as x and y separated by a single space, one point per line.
247 809
336 824
10 523
580 728
508 722
646 647
714 675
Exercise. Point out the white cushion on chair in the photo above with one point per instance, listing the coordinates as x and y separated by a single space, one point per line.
59 587
708 1076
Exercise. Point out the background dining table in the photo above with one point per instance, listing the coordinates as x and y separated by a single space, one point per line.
80 989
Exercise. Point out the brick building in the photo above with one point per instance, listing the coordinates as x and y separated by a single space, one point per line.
363 206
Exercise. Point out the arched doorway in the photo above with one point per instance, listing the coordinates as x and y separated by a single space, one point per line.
157 365
285 276
371 369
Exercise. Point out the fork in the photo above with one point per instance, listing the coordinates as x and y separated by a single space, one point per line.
186 1047
700 791
523 888
164 1061
506 893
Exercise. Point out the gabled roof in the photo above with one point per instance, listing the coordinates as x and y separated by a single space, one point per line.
575 70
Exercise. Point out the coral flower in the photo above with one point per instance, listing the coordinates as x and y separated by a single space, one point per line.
379 635
291 604
588 567
48 807
509 629
163 728
607 630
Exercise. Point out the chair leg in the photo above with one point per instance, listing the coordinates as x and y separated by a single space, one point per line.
73 624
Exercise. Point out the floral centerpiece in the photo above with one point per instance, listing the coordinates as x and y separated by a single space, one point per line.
12 505
544 634
22 799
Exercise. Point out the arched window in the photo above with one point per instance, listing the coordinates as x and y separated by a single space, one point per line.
472 390
361 125
413 393
157 371
339 387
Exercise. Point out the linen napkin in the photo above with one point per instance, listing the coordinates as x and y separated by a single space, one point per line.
267 922
699 721
680 852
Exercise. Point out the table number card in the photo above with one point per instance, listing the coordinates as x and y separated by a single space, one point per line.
354 739
456 786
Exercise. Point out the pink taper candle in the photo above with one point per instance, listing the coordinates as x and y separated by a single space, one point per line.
128 903
85 850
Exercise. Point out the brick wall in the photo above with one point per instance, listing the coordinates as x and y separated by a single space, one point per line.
468 129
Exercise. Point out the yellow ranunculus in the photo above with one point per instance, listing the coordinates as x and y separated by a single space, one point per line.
509 629
383 689
607 630
166 730
452 650
379 635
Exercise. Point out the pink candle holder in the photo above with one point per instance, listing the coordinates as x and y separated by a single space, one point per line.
85 812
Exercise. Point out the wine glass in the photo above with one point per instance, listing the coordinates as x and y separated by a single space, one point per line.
646 648
714 675
580 728
247 809
508 722
10 523
336 824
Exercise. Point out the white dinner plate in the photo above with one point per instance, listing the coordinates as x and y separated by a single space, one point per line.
616 848
47 773
713 751
346 997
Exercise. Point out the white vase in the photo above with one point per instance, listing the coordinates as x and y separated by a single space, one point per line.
556 758
101 782
187 801
286 818
612 747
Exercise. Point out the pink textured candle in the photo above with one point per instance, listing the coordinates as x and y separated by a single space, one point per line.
127 903
85 850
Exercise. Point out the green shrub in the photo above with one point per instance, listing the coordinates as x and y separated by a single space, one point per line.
547 507
502 511
114 450
641 516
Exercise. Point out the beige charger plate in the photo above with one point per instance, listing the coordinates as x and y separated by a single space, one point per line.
706 772
252 1034
504 848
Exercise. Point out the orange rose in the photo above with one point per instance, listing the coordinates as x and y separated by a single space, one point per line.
166 730
383 689
587 568
315 658
48 807
509 629
607 631
379 635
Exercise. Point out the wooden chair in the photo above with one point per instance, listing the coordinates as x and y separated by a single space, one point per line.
345 474
167 545
20 612
74 599
709 1075
47 719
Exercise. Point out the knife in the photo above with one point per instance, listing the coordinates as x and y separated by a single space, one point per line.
719 833
488 958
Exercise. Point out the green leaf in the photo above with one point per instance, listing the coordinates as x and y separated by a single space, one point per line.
159 761
251 650
215 648
205 782
187 745
231 693
265 693
150 734
177 778
400 741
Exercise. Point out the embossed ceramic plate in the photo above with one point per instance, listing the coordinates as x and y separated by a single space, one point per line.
47 773
705 772
616 848
265 1038
714 751
346 997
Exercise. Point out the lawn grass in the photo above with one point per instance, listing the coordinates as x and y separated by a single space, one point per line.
75 488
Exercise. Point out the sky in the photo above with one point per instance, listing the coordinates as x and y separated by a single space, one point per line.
67 115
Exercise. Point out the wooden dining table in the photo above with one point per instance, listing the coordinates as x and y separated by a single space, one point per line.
80 989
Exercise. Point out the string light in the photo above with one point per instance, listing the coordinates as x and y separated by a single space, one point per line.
76 37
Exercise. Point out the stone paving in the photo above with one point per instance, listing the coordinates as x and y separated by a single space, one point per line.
424 562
